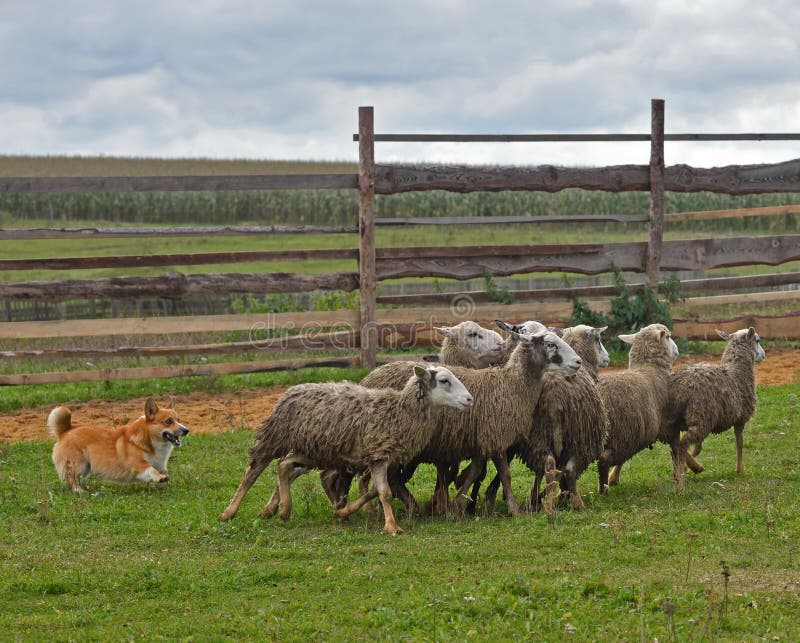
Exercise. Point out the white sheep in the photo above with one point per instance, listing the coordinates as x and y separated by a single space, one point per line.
505 397
348 427
710 398
636 399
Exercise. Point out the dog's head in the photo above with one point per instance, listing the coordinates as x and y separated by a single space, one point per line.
163 424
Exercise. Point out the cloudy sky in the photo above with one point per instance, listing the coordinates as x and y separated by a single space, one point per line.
266 79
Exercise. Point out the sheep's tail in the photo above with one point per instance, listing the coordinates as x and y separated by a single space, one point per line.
59 421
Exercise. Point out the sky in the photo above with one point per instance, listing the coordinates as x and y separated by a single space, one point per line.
284 80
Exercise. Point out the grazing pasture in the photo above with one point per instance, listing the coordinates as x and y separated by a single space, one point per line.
718 561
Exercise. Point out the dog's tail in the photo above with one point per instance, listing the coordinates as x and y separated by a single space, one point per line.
59 421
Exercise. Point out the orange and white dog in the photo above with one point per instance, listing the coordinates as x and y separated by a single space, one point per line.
135 452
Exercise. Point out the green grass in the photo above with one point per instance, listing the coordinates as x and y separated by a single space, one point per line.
125 562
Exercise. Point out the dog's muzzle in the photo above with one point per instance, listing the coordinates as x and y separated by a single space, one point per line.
174 437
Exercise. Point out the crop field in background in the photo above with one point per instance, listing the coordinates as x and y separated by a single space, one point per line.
643 563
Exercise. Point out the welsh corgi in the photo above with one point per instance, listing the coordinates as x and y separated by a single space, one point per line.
134 452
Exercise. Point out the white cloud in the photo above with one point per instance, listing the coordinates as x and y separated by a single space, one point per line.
285 79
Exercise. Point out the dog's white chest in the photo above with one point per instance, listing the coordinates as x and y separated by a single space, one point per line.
159 459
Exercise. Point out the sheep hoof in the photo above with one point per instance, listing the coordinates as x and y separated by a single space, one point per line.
393 530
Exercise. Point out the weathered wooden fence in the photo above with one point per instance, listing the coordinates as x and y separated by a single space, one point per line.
370 327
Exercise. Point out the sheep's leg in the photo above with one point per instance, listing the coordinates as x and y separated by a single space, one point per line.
363 488
354 505
613 477
401 492
336 485
273 503
697 447
572 486
693 464
440 502
679 455
379 473
289 469
490 495
602 471
552 477
504 472
468 477
691 436
476 488
250 476
534 501
738 430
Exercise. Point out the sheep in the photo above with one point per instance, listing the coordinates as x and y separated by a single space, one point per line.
710 398
569 424
470 345
505 398
345 426
636 399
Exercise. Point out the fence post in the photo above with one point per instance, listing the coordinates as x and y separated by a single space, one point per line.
656 191
366 230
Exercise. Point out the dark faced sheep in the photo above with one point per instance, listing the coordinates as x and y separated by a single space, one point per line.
636 399
348 427
711 398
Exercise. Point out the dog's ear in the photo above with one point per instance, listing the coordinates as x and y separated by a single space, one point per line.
171 401
150 409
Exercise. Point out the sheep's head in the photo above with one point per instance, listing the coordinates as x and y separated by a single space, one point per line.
558 355
445 389
652 340
749 336
484 344
590 339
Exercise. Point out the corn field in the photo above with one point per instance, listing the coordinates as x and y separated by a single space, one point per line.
323 207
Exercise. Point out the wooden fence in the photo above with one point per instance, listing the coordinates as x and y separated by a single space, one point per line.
371 328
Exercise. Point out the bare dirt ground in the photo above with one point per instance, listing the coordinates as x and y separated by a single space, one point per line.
217 413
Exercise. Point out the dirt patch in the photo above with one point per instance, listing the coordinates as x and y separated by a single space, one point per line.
200 412
216 413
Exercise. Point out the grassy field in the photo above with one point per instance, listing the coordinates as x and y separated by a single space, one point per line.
645 562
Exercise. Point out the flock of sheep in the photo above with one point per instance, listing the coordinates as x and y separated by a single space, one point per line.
534 395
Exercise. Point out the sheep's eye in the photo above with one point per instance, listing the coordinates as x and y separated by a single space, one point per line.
444 380
472 334
550 345
168 421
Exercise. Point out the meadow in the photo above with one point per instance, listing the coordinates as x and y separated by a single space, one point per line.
718 561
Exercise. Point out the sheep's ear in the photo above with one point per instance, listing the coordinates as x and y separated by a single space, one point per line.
723 334
628 339
150 409
420 371
503 326
537 339
751 333
662 334
600 330
447 331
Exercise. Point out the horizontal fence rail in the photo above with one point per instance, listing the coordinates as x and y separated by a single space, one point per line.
176 285
568 138
476 261
732 179
191 259
179 183
167 231
687 286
